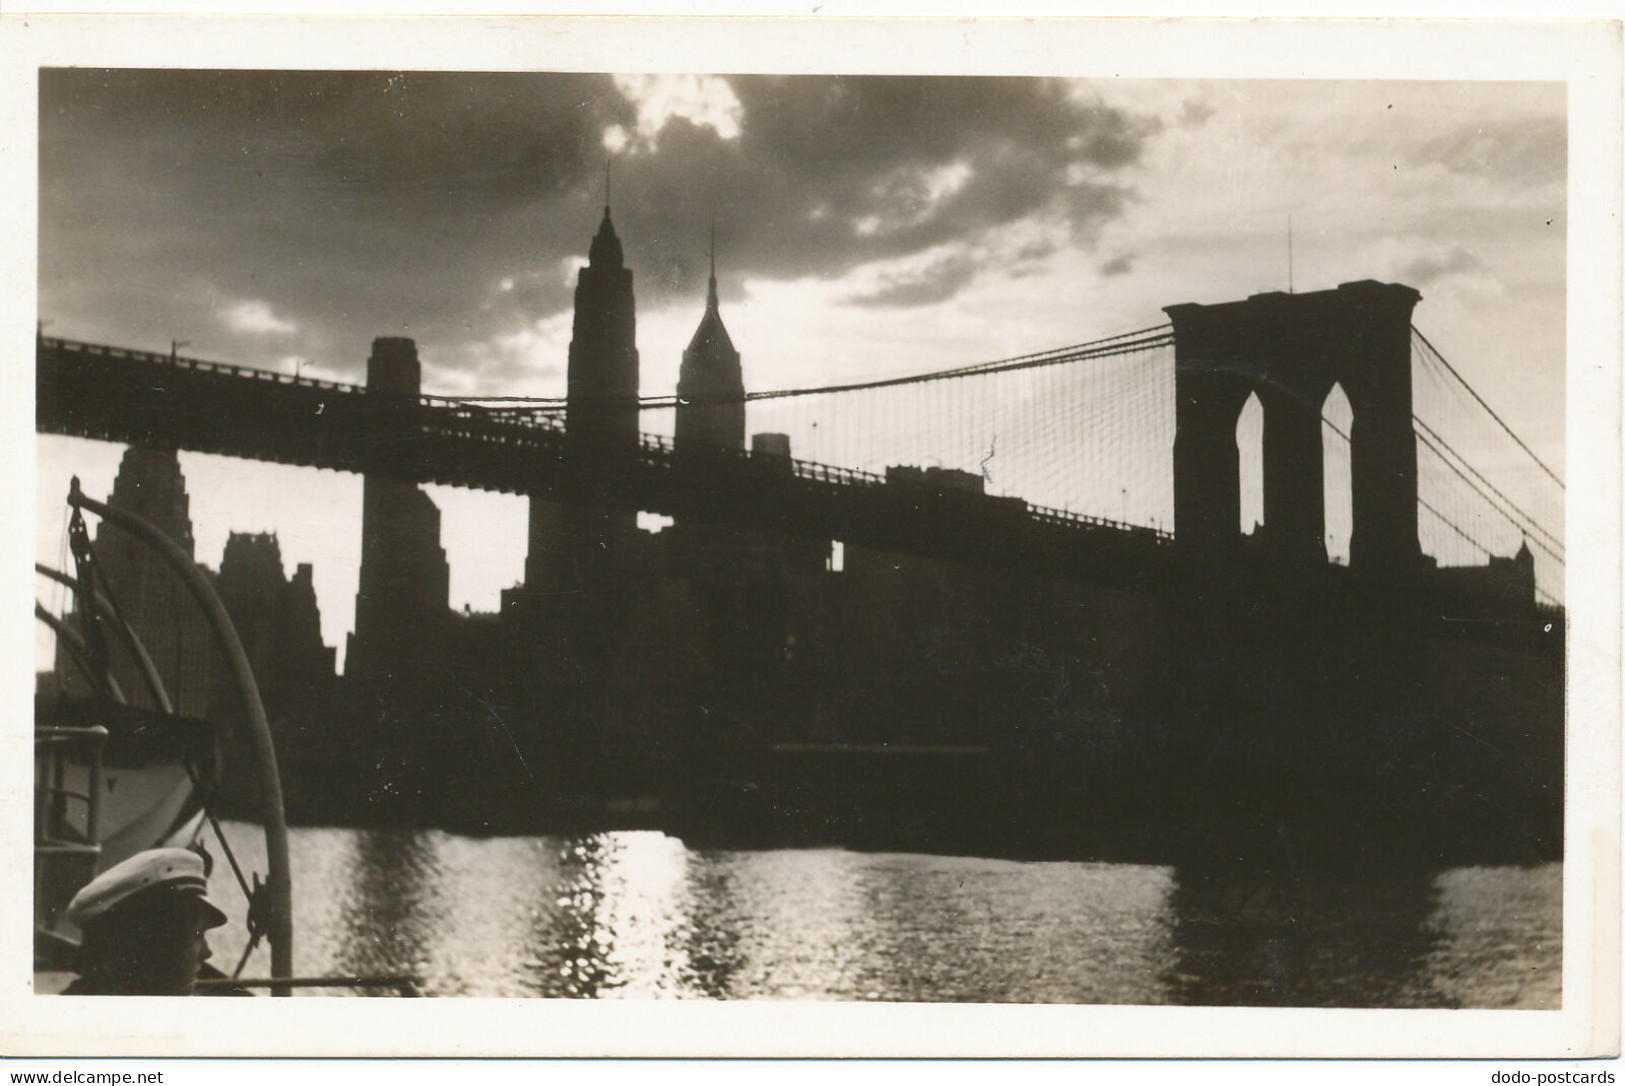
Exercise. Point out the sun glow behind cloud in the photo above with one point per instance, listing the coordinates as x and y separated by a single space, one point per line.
703 100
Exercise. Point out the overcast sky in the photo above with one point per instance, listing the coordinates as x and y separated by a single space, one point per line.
865 226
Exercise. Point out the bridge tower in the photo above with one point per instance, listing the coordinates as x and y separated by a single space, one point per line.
1291 350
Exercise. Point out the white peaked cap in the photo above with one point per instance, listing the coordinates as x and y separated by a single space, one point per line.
177 868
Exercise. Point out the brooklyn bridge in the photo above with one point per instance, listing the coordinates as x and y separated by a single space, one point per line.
1066 594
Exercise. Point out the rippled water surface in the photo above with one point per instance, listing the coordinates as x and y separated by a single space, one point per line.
639 915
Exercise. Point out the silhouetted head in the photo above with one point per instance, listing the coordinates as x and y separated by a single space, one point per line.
145 922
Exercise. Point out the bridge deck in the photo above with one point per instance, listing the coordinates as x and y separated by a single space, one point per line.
134 397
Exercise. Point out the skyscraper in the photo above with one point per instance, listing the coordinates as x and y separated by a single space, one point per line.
278 622
401 604
601 413
574 549
149 595
711 384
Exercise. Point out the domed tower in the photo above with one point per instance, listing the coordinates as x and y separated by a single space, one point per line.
710 384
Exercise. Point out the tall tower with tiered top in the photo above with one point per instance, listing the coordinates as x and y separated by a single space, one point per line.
710 384
149 595
601 412
573 549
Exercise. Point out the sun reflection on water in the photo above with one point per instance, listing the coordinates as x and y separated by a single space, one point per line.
639 915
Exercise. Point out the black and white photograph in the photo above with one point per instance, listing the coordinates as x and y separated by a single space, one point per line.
533 513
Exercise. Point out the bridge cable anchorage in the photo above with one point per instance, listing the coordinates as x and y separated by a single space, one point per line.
1429 436
1439 357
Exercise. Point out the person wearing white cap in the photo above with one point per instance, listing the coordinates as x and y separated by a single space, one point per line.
145 923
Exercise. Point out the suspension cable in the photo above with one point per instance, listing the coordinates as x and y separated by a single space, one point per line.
1446 521
1429 436
1463 381
1143 339
1454 527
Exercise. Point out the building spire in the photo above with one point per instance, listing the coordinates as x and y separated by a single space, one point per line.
711 290
710 383
606 247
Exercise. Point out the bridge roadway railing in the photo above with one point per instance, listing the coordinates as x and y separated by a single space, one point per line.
193 365
136 397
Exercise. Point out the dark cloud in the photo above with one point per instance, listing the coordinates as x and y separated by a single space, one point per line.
485 368
1432 267
1526 152
366 138
355 204
938 281
1036 250
831 173
1118 265
1194 114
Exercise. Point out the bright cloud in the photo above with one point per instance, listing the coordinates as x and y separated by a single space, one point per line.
705 101
257 318
939 273
528 360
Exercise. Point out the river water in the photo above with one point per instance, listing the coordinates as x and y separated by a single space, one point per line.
640 915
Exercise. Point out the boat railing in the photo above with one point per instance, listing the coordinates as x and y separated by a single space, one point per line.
402 984
64 859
